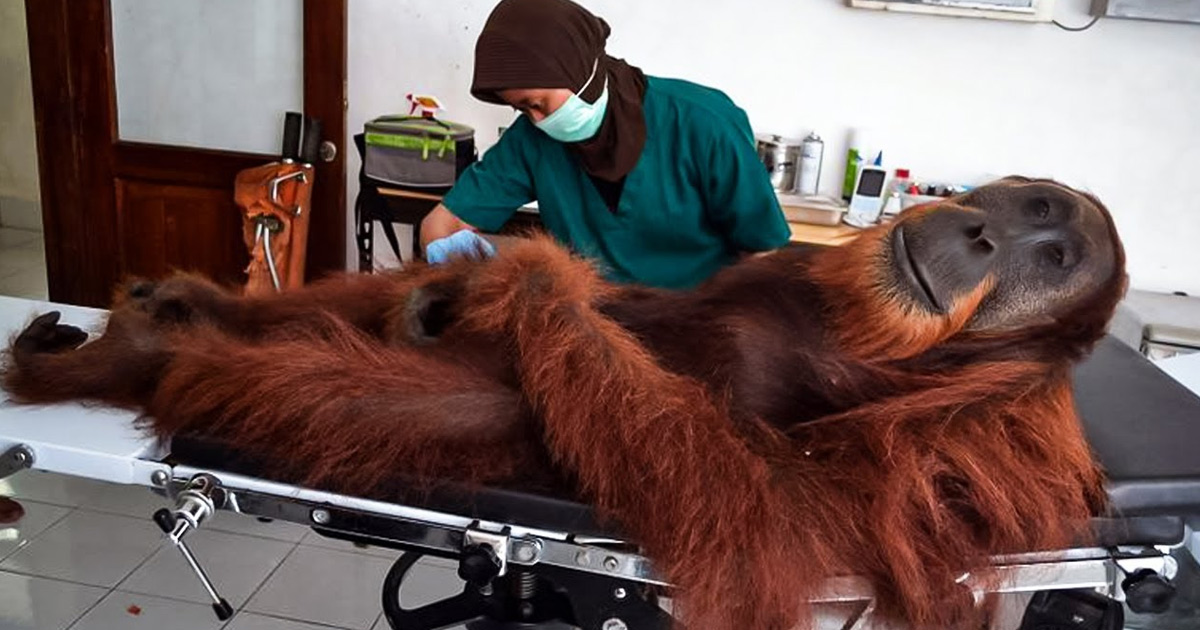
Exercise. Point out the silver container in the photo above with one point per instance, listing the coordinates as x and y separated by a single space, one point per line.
812 153
781 157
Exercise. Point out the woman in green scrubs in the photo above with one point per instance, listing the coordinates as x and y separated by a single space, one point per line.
656 180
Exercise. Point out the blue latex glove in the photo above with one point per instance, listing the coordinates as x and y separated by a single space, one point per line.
461 244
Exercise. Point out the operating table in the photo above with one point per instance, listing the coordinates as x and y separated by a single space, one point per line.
542 561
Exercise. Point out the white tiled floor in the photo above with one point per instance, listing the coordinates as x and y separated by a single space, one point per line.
22 264
34 602
239 564
85 557
304 588
88 548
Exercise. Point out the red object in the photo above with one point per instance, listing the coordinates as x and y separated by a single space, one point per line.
902 173
134 609
10 511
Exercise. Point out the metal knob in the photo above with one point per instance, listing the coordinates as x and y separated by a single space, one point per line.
1147 592
479 564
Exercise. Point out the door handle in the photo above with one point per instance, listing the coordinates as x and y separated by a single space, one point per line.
328 151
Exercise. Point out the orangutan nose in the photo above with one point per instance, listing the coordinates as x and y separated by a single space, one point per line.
979 238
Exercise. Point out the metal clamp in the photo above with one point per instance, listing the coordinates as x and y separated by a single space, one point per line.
274 187
17 458
495 544
198 501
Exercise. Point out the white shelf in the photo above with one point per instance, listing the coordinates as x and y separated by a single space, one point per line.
1039 10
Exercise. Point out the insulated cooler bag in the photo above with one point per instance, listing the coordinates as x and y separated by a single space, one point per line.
417 152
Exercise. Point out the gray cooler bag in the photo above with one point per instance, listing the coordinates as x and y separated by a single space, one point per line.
417 152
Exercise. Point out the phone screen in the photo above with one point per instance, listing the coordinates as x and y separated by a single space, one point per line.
871 183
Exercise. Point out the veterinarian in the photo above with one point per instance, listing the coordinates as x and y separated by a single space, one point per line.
657 180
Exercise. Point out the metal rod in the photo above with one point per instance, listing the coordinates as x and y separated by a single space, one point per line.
274 185
270 257
204 581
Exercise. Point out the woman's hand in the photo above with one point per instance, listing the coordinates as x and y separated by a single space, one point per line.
461 244
439 224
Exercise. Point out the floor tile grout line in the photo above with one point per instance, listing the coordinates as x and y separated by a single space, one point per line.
46 577
319 624
170 598
110 591
48 527
18 498
82 613
88 610
139 565
161 548
287 618
198 585
114 590
95 510
271 574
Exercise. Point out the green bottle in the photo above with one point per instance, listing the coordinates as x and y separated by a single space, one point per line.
853 159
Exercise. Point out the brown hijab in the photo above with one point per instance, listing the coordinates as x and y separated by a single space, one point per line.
556 44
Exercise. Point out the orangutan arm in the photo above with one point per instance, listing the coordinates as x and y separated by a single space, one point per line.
363 300
47 364
650 449
386 305
339 410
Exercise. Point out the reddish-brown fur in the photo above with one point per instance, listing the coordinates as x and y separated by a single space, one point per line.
920 449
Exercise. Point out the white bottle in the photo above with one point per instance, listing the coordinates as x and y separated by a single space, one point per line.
812 152
899 184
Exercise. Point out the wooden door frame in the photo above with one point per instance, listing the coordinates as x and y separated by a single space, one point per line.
75 113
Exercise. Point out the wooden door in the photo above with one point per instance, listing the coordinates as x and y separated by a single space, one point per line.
115 207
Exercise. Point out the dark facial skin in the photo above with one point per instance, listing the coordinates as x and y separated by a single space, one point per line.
1044 244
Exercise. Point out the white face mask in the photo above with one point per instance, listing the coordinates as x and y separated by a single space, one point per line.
577 120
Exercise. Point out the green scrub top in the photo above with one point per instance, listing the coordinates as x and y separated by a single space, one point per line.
697 197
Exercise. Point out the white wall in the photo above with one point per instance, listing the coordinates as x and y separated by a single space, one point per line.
18 139
1115 109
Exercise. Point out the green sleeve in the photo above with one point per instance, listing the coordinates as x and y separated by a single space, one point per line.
741 202
489 191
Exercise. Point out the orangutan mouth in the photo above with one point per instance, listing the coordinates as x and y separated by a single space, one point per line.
903 259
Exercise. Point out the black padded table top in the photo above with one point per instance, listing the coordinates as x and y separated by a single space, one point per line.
541 510
1143 426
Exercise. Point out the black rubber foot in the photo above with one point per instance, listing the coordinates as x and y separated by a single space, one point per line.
223 609
165 520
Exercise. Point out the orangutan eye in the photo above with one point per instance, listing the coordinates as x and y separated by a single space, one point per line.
1060 255
1040 209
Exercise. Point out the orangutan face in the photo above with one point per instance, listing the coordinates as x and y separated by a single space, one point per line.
1041 245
